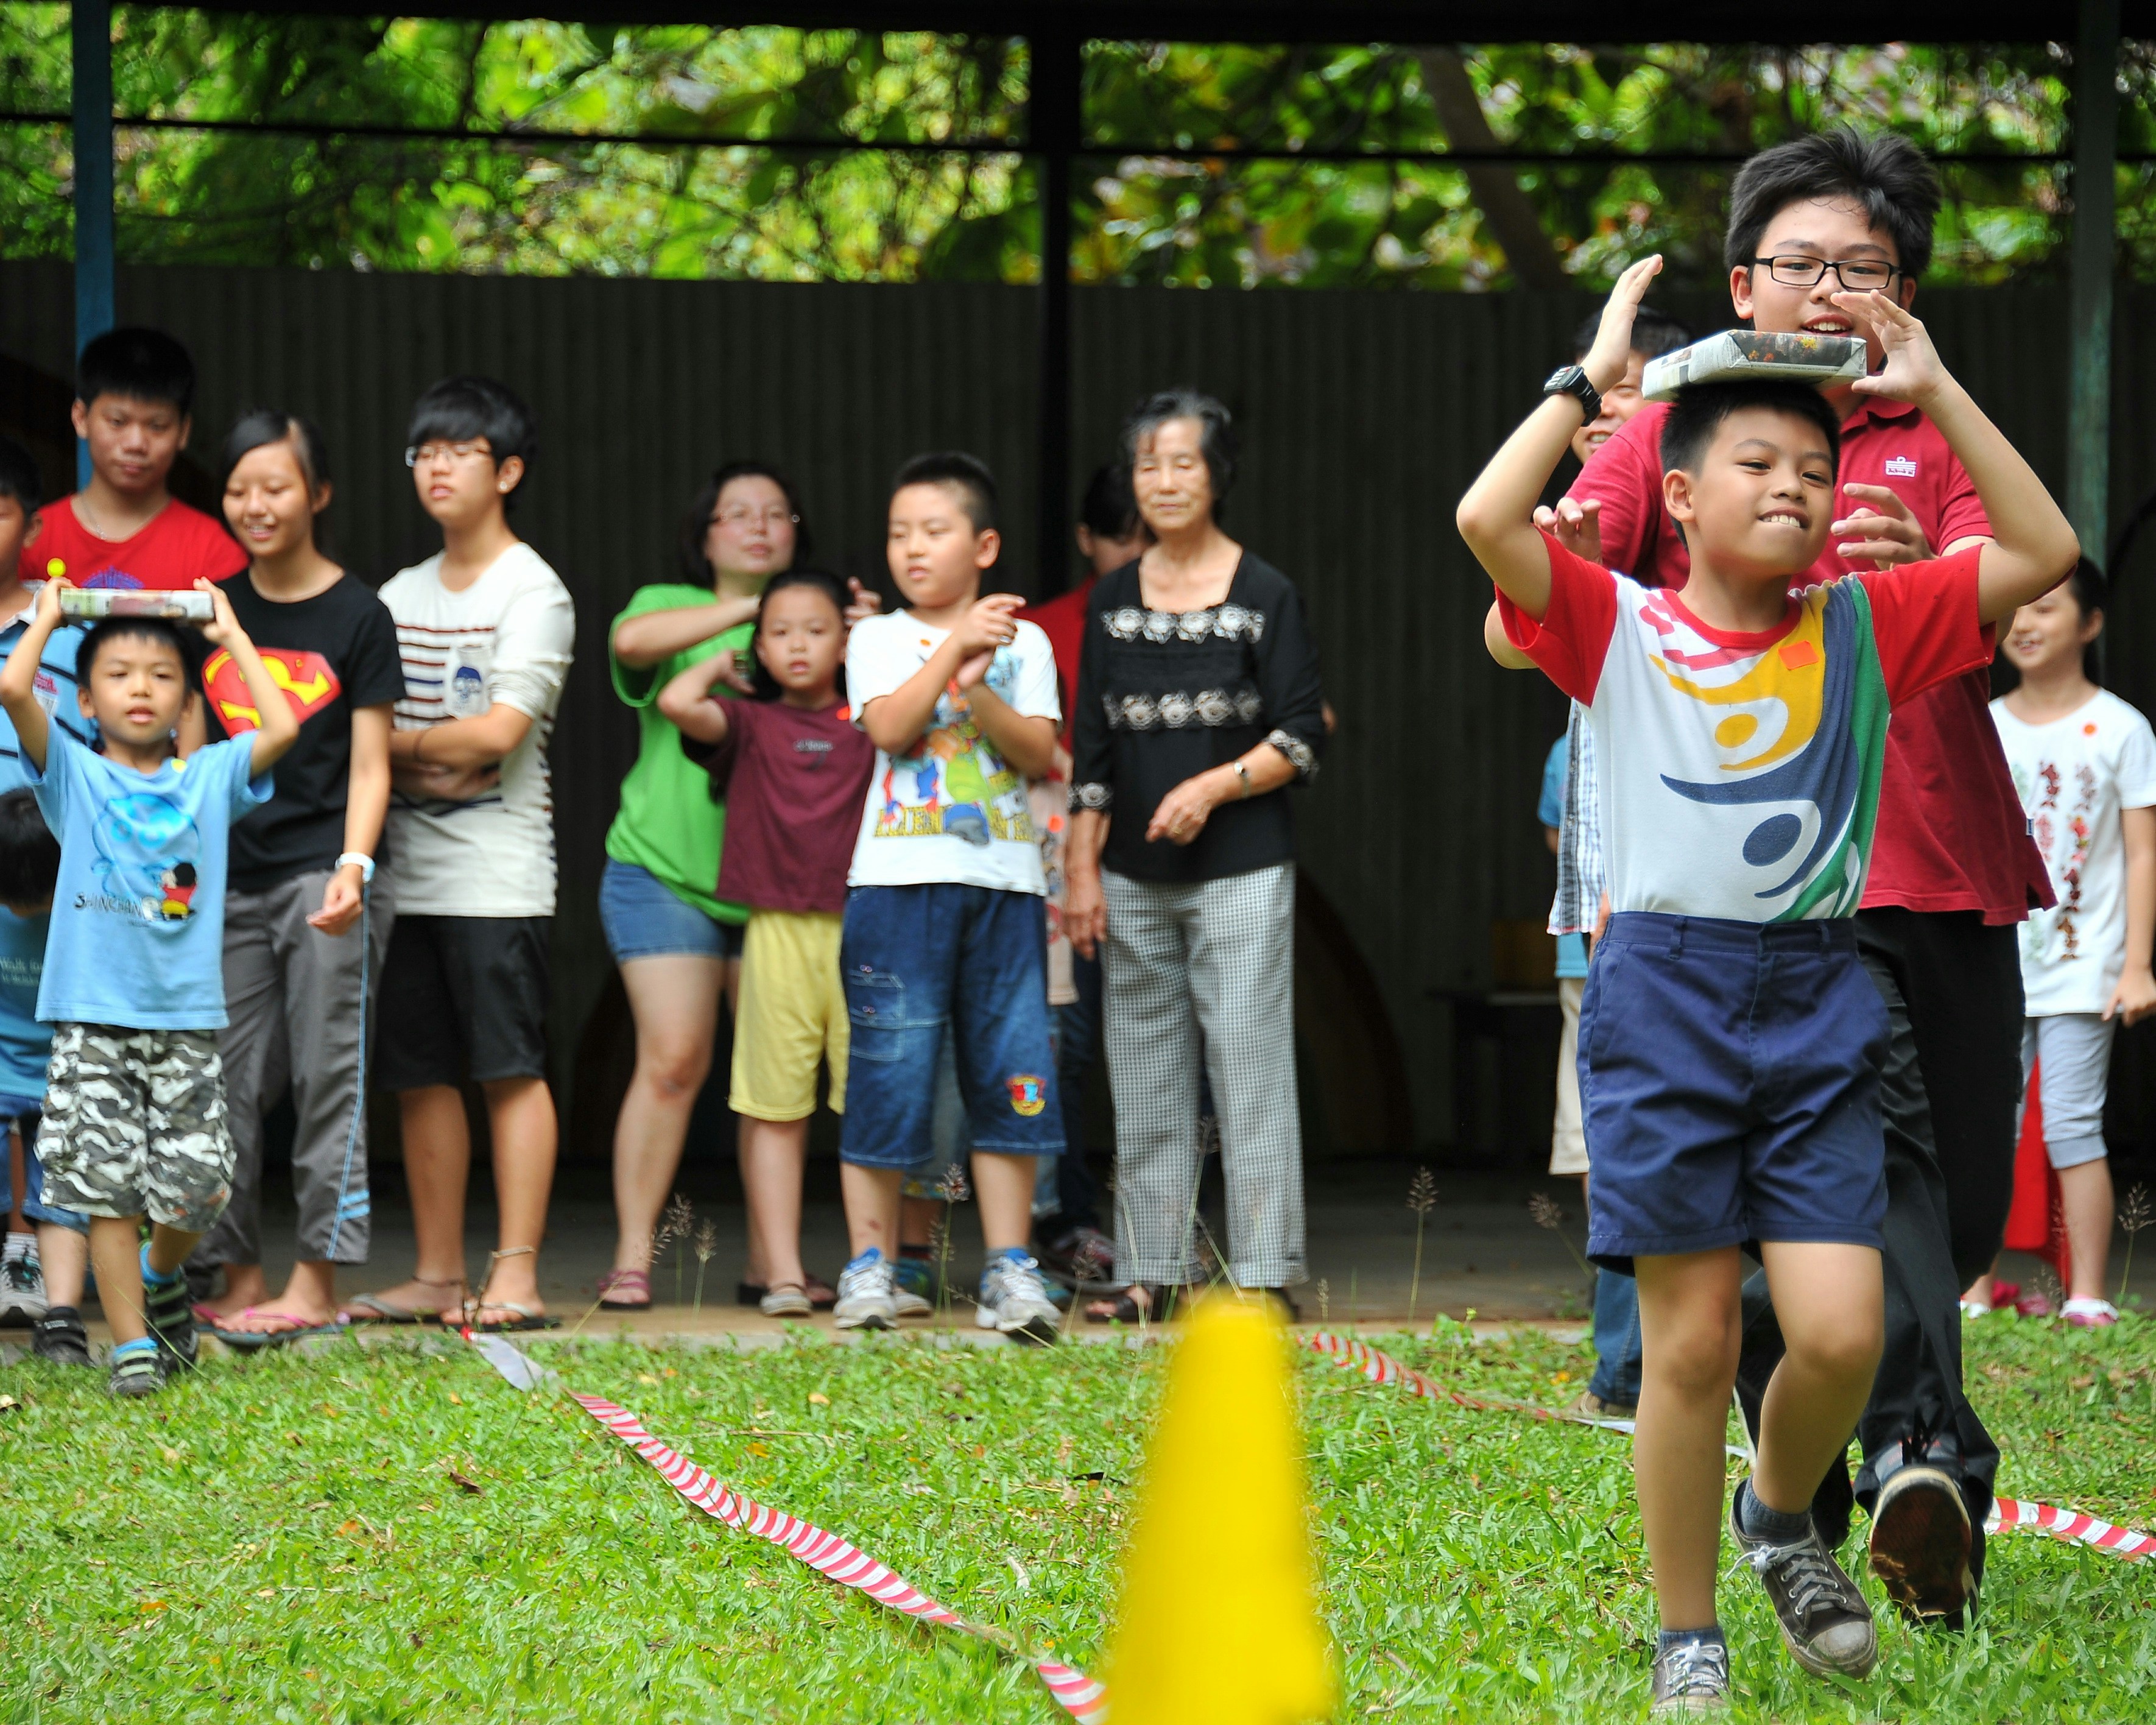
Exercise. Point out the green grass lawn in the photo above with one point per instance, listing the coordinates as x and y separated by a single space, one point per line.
389 1534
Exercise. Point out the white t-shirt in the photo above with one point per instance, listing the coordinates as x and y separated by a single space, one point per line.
2075 774
506 638
950 811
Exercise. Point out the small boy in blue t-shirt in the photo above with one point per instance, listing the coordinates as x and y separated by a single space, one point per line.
134 978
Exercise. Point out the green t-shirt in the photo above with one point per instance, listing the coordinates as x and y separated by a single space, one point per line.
668 823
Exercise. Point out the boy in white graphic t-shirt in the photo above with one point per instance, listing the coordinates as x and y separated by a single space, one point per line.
1730 1037
946 919
486 629
2085 763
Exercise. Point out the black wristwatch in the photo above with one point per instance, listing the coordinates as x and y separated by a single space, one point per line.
1572 381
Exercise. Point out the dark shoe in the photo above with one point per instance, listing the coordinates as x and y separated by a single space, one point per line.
1924 1544
171 1314
137 1371
58 1338
1691 1677
1078 1255
1823 1617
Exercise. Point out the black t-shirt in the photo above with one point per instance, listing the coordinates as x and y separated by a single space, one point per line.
329 654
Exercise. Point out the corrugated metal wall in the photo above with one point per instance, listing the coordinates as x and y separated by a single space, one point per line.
1363 417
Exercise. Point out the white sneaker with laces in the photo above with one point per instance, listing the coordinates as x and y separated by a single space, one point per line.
22 1288
865 1294
1013 1301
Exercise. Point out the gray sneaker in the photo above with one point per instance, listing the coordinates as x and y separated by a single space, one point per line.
1824 1618
22 1293
908 1304
1013 1299
865 1301
1691 1677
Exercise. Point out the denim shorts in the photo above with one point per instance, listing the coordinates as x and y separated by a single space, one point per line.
25 1112
644 919
915 959
1729 1073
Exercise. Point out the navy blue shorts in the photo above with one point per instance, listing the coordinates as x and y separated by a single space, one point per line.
912 957
1729 1076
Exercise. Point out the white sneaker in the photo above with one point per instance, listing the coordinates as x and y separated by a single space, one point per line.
908 1303
1013 1301
866 1292
21 1290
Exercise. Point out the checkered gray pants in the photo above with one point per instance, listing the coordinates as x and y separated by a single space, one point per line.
1215 958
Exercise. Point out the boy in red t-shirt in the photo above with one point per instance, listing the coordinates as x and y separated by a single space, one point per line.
1953 870
134 391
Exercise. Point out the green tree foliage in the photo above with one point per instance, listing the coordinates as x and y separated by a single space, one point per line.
833 161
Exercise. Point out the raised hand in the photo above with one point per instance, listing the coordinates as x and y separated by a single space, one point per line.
1913 371
1886 532
1611 354
1577 525
992 623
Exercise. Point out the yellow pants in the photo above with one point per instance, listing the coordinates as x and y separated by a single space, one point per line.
793 1014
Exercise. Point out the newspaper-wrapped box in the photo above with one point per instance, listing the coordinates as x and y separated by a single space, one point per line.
97 602
1736 355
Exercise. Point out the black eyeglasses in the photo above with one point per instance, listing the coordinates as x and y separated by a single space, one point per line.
1857 276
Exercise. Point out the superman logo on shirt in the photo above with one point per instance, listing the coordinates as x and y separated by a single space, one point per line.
308 682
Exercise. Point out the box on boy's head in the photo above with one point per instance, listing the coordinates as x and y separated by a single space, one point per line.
134 401
1735 355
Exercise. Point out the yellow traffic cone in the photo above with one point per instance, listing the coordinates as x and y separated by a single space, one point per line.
1220 1623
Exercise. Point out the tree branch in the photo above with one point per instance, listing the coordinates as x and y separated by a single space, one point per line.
1511 218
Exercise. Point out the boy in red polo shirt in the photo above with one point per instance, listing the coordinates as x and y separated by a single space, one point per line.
134 391
1953 870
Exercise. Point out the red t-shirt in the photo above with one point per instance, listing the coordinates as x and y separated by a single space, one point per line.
1952 834
1062 620
179 545
795 783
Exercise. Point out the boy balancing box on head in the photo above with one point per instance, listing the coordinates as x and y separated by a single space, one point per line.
1729 1036
134 401
791 768
134 982
946 919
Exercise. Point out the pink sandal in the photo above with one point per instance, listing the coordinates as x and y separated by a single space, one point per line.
625 1281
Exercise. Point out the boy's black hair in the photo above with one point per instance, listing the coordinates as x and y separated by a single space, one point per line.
30 854
968 475
141 364
1884 173
457 409
825 583
696 568
1111 508
1216 435
184 642
1654 333
259 427
2090 587
19 475
1699 410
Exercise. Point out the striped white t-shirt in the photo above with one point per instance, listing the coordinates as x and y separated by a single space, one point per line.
507 638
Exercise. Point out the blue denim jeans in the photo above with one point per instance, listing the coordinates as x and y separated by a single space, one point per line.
915 959
1616 1338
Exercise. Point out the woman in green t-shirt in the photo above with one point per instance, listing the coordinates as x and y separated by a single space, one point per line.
678 947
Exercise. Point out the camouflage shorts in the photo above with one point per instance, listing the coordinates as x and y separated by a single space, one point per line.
135 1125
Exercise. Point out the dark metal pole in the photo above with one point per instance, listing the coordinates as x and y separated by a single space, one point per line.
90 31
1054 119
2095 189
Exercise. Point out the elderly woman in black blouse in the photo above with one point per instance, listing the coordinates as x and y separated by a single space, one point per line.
1197 703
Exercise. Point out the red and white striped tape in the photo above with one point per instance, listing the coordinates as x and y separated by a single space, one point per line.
1077 1694
2007 1514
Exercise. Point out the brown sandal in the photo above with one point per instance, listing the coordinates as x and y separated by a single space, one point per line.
1124 1308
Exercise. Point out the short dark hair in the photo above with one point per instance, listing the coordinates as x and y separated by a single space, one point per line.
825 583
968 475
458 408
1699 410
141 364
696 568
1109 509
19 475
30 854
181 641
1216 433
2090 587
1654 333
258 427
1882 170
